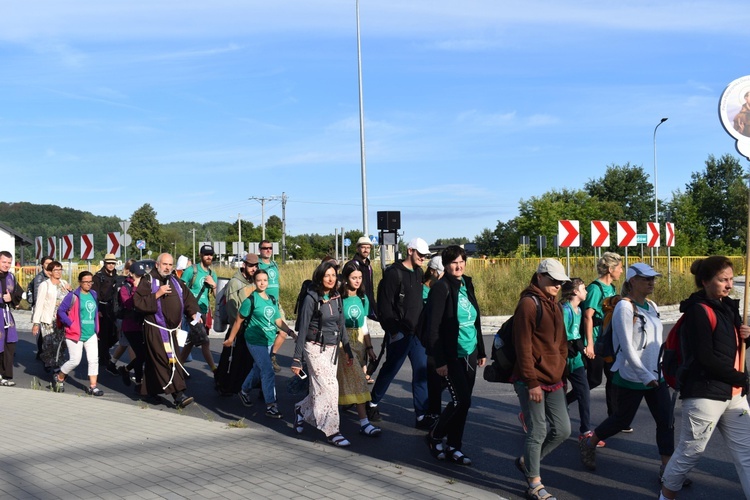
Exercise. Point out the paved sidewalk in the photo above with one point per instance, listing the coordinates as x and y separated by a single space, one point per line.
70 446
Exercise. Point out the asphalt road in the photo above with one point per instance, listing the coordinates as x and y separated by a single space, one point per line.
627 467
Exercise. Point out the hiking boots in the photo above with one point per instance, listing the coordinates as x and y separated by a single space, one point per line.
588 454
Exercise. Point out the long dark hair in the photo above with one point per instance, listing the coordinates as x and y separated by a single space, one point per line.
349 268
317 277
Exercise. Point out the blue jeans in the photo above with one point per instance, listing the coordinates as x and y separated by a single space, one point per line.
396 353
262 373
580 393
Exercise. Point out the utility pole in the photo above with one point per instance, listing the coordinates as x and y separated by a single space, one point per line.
193 231
239 228
283 227
363 167
263 201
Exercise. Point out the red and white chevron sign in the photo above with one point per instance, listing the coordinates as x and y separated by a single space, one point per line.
67 247
38 247
87 246
51 246
670 233
568 233
653 235
626 233
113 243
599 233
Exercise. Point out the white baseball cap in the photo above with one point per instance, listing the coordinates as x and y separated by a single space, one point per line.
419 245
553 268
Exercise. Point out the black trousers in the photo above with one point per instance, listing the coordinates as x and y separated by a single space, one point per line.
628 401
461 376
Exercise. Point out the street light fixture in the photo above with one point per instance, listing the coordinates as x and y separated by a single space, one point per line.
656 191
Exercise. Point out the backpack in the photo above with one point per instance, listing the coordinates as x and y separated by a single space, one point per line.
300 298
221 315
604 346
504 351
117 306
673 356
30 292
246 320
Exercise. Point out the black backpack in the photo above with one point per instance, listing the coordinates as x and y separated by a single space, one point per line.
298 304
119 311
504 350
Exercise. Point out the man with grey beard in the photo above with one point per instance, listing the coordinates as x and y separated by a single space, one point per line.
165 300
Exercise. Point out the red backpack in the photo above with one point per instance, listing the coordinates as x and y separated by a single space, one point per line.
673 357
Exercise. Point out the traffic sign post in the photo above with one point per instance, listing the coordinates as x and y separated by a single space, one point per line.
599 233
113 244
52 246
669 228
569 235
39 247
126 239
87 247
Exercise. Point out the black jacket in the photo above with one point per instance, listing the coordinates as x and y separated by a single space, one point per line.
400 299
365 265
321 322
104 285
440 328
711 372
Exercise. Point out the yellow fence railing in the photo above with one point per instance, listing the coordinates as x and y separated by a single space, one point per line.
661 263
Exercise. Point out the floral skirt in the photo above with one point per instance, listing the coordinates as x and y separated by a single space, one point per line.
320 408
352 382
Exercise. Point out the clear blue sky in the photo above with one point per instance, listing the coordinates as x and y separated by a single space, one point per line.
471 106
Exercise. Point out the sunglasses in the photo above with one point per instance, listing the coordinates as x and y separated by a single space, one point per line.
554 281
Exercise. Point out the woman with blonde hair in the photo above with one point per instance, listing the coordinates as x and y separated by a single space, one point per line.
609 268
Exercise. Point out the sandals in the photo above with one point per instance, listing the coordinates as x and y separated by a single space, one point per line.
437 447
6 383
539 493
299 421
94 391
457 457
521 466
370 430
338 440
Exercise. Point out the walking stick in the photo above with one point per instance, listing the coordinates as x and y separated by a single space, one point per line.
746 303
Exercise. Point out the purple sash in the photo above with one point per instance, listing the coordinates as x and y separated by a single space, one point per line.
8 332
160 320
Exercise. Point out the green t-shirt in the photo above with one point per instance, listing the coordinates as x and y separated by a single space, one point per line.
88 316
261 324
594 300
355 311
273 277
425 293
200 276
466 314
572 321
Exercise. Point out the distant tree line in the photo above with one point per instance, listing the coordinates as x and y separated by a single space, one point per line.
710 214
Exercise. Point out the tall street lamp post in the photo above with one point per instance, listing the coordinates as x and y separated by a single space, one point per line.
656 191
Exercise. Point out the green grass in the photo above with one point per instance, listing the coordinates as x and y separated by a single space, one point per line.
498 285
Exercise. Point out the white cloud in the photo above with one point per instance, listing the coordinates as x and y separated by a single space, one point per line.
446 19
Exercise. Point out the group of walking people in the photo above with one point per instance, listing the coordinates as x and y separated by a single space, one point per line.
434 319
555 348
